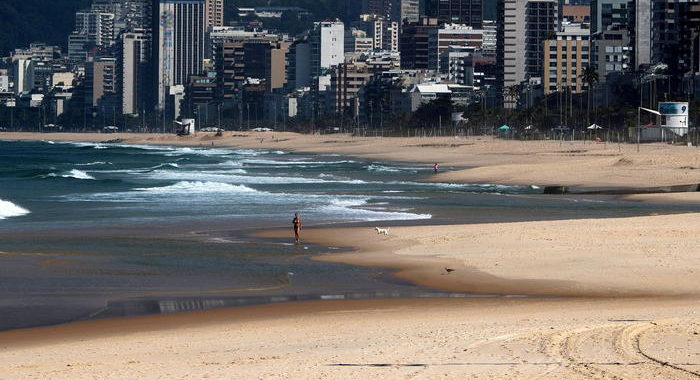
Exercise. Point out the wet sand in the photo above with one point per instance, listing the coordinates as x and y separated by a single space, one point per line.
609 298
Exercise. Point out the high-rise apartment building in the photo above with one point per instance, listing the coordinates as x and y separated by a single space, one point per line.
180 43
452 35
100 80
393 10
404 11
134 71
215 13
415 45
98 26
347 79
523 26
607 13
299 65
384 33
77 46
675 34
611 51
23 75
327 46
467 12
566 56
640 32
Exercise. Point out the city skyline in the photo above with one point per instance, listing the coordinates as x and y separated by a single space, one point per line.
157 61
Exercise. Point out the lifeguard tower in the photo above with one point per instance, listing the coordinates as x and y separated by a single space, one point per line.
670 123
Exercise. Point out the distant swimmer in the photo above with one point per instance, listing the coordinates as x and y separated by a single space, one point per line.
436 167
296 222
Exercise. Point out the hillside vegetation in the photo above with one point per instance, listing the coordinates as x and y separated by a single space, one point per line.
27 21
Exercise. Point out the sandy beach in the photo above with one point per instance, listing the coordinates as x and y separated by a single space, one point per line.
478 159
580 299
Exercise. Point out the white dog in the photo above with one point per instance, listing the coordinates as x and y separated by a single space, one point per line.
380 231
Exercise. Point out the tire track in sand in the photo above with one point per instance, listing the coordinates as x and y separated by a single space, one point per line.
612 352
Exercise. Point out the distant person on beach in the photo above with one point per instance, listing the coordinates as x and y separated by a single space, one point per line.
296 222
436 167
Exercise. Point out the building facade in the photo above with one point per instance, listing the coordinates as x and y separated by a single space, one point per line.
640 32
180 44
393 10
611 51
23 75
134 71
467 12
100 80
452 35
327 41
607 13
384 33
675 33
523 26
415 44
566 57
347 80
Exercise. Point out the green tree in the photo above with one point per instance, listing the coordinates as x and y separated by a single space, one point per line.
438 109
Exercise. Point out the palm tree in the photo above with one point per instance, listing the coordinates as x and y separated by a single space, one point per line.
590 77
512 93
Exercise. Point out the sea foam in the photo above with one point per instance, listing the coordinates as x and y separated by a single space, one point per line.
231 177
75 173
351 209
198 187
9 209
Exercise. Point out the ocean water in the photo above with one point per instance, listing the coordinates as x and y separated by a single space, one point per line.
94 230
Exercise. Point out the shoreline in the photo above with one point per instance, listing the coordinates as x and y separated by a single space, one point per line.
504 258
582 165
601 283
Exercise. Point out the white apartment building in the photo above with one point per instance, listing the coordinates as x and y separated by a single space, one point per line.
327 46
23 75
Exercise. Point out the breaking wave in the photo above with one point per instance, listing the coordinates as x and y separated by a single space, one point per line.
198 187
9 209
75 173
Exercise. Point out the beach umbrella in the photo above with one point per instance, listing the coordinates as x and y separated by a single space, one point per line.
504 128
529 127
595 126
